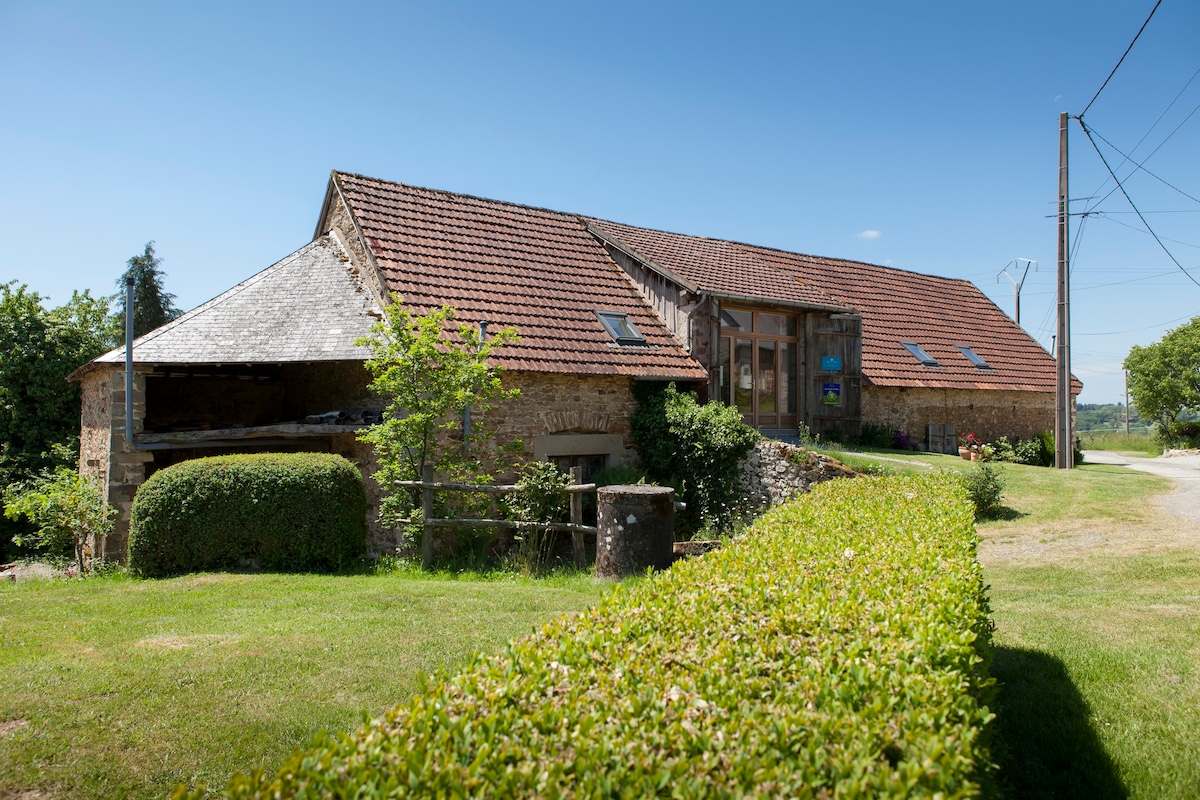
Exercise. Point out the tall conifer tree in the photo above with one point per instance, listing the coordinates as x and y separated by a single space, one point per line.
153 307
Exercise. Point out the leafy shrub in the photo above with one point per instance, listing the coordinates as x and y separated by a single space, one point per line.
839 649
1001 450
1039 451
1036 452
292 512
985 485
695 448
874 434
1184 434
68 512
540 497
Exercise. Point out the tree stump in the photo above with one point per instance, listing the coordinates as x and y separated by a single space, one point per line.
635 529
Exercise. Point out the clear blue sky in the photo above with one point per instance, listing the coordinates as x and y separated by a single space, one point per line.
920 135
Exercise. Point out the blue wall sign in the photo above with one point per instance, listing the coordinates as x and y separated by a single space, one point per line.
831 363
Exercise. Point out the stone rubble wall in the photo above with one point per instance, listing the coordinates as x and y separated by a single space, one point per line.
775 472
989 414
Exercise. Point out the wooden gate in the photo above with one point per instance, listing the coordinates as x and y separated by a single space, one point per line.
833 360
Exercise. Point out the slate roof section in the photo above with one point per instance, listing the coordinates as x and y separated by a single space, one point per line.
537 270
311 306
895 305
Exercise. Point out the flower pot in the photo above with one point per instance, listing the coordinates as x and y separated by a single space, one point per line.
965 452
976 455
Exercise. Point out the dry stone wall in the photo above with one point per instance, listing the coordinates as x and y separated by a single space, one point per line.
775 472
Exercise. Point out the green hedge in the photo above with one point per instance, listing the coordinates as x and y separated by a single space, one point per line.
294 512
840 649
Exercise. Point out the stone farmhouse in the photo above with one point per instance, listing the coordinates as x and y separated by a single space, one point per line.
789 339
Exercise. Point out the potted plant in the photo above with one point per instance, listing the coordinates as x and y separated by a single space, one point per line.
968 447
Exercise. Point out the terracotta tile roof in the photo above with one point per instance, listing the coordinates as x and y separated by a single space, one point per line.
895 305
717 266
544 273
310 306
537 270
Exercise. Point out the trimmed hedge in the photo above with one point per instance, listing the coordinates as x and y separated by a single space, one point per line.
839 649
296 512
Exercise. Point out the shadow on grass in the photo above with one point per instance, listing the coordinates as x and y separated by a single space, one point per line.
1047 746
1006 514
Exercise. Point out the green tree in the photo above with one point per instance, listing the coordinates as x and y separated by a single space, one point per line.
429 370
1164 379
39 408
152 304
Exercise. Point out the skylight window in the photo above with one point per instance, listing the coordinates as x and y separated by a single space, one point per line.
973 357
620 328
920 354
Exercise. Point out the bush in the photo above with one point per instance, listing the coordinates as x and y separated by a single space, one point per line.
840 648
985 485
68 513
1183 435
1039 451
541 496
873 434
695 448
1036 452
291 512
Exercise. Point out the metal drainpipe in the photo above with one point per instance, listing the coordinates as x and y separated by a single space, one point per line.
129 284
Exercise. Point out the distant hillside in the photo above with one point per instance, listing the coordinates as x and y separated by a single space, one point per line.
1106 417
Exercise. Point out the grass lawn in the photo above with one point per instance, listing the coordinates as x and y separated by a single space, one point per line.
1132 443
114 687
1096 597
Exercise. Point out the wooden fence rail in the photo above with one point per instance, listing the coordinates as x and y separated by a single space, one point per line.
428 486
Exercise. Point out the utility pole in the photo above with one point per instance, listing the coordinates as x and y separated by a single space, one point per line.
1017 284
1064 440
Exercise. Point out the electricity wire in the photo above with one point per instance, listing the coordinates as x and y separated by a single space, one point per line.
1150 130
1118 66
1136 330
1141 165
1088 132
1104 216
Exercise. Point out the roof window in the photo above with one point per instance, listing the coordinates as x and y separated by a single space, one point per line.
620 328
920 354
973 357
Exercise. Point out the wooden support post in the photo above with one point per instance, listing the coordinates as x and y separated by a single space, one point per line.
577 544
426 513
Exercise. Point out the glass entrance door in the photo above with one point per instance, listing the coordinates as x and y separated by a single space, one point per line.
758 366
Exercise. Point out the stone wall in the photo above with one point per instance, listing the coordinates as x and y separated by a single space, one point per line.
340 221
103 450
988 414
564 405
775 471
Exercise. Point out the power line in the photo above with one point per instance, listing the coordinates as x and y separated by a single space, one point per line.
1142 166
1118 66
1088 132
1104 216
1137 330
1150 130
